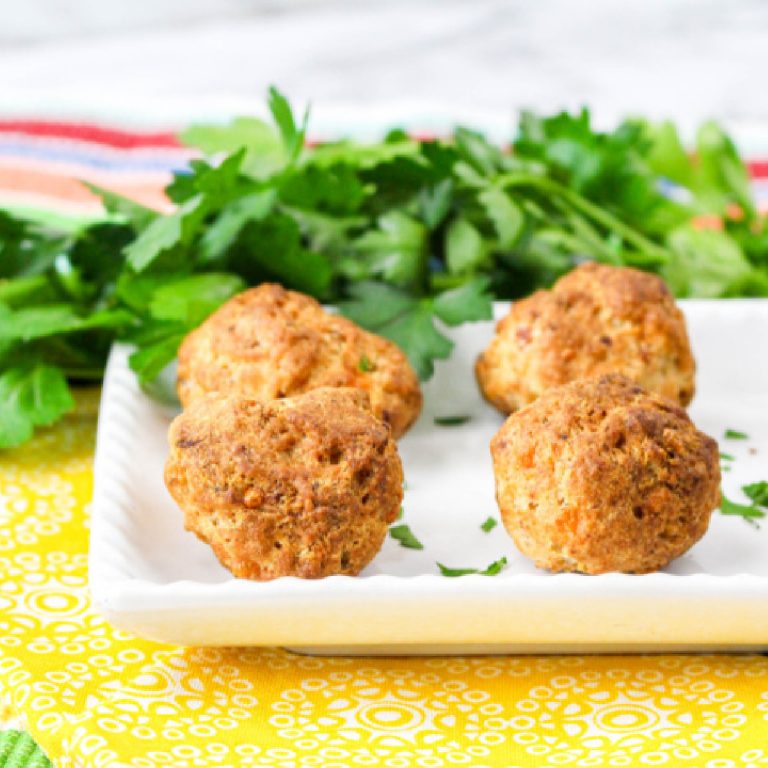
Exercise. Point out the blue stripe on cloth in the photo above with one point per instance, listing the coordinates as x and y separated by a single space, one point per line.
121 160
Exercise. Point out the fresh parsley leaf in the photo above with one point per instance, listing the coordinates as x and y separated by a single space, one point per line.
368 158
222 233
467 303
123 207
758 492
16 427
373 304
435 202
212 140
451 421
489 524
171 308
507 218
704 263
403 534
606 168
329 234
397 250
31 397
415 333
149 360
38 322
401 318
26 249
464 247
726 457
492 570
666 155
723 177
477 151
214 187
334 190
166 232
220 184
89 264
23 291
293 136
734 434
191 299
264 149
272 249
750 513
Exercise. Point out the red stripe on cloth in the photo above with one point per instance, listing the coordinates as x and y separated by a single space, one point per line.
123 139
758 169
96 134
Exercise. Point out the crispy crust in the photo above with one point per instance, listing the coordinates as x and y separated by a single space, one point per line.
267 343
595 320
600 475
303 486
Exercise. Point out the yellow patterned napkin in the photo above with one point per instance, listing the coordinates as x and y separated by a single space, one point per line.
94 696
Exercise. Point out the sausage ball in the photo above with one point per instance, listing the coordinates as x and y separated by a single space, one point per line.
304 486
267 343
596 319
600 475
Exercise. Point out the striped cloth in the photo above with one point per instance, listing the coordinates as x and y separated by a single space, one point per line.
42 163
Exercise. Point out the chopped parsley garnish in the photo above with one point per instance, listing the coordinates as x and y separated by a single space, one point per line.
497 566
404 535
750 513
734 434
489 524
365 364
758 492
726 456
451 421
446 571
494 568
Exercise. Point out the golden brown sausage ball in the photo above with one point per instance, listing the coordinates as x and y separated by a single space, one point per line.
304 486
600 475
596 319
267 343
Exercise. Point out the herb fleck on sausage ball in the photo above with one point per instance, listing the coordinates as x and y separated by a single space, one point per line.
596 320
268 343
600 475
304 486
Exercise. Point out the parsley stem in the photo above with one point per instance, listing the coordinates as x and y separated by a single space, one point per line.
608 220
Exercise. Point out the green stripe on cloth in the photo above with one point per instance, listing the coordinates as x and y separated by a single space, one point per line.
58 219
18 750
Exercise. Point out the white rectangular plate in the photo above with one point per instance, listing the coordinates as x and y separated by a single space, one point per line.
151 577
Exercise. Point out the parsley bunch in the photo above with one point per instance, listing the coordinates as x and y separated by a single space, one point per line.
406 236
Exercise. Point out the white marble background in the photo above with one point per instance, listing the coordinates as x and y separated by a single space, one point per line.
161 61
